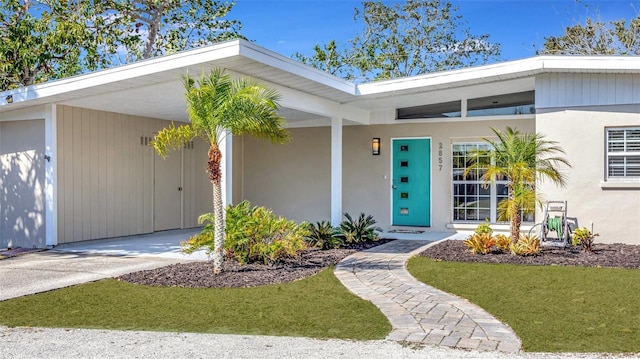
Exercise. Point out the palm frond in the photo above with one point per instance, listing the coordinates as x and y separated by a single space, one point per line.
172 138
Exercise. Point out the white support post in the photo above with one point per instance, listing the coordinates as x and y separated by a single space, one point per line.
226 165
51 173
336 171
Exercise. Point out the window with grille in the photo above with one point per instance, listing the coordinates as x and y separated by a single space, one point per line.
474 200
623 153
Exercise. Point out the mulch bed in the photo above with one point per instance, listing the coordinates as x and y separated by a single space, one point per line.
236 275
604 255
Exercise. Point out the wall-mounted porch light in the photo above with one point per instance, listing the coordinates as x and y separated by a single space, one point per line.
9 99
375 146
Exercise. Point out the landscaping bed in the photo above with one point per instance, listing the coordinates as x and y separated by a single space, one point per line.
236 275
604 255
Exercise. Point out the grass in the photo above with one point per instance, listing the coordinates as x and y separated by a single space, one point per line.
551 308
318 307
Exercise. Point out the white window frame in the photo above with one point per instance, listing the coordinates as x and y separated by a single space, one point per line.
493 190
625 148
493 196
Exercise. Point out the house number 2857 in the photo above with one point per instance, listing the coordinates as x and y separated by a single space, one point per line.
440 152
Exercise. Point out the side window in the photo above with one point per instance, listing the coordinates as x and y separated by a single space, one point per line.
623 153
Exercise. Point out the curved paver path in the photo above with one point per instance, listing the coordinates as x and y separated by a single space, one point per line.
417 312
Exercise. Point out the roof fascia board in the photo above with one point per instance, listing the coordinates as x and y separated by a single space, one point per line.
126 72
504 71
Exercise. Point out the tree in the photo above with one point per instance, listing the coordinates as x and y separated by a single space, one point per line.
596 38
404 39
218 105
42 40
519 159
160 27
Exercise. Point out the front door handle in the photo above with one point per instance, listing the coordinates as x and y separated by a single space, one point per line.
394 186
179 188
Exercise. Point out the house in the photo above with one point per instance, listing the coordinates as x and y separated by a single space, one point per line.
76 164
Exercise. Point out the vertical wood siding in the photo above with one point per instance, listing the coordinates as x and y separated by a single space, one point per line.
105 175
568 90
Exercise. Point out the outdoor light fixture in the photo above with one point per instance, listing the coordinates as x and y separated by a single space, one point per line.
9 98
375 146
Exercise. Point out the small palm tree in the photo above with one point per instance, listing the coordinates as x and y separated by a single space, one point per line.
217 105
520 159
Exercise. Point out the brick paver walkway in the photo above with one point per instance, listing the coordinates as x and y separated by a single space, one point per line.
417 312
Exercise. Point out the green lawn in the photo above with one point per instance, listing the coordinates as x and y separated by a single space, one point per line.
318 307
551 308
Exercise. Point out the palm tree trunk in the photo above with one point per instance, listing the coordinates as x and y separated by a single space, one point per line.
516 215
218 231
516 221
215 175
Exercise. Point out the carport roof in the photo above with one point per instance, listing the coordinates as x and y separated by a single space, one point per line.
153 88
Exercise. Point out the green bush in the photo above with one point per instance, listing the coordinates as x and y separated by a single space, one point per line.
360 230
480 243
323 235
584 237
526 246
484 227
253 234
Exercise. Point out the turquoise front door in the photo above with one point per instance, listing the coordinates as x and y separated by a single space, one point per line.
411 182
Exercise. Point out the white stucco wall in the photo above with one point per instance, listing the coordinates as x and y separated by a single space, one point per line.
580 131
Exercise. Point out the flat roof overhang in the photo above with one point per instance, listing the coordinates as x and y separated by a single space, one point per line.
153 88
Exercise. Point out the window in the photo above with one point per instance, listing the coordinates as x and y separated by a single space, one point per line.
473 199
623 153
521 103
437 110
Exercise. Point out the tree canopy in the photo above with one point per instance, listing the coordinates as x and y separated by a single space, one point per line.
596 37
160 27
403 39
41 40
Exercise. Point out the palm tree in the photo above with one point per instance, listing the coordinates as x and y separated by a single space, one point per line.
519 159
217 105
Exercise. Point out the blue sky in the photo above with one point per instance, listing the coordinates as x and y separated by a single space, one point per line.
289 26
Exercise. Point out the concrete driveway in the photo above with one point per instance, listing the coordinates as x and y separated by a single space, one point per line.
76 263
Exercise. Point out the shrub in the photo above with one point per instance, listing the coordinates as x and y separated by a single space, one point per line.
253 234
480 243
202 239
484 227
584 237
503 242
527 245
358 231
323 235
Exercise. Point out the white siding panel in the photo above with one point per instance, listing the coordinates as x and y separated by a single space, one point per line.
561 93
567 90
625 88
